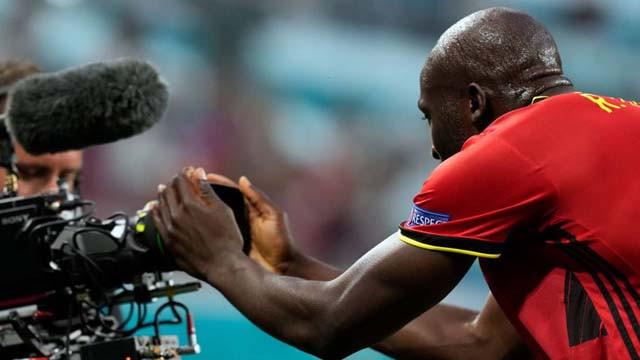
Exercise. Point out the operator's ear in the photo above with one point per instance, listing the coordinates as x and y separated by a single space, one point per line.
478 107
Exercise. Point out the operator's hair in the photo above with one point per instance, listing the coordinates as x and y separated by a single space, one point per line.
502 48
13 70
10 72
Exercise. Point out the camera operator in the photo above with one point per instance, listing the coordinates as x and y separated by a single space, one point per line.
65 269
37 174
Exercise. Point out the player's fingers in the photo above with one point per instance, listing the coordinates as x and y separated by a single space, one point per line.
252 211
206 191
167 197
157 219
166 203
150 205
220 179
186 185
199 180
162 218
256 197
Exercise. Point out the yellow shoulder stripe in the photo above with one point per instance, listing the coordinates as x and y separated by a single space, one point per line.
410 241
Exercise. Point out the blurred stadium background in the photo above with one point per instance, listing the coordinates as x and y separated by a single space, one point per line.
314 100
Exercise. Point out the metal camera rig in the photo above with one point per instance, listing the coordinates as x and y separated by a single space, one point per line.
78 287
74 286
66 275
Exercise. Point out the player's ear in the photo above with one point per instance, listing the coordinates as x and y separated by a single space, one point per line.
478 107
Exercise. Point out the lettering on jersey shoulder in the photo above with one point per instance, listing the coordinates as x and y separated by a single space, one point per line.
421 217
609 104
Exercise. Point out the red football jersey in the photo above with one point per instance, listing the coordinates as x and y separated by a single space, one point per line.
548 196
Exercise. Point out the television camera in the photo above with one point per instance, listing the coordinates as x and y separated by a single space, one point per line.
75 286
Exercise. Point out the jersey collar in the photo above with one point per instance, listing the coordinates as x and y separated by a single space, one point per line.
538 99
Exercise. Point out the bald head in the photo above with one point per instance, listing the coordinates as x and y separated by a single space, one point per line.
498 47
496 60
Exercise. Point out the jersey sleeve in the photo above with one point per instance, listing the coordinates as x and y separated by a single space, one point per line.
475 200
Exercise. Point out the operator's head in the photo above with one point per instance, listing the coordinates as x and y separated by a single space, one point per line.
489 63
37 174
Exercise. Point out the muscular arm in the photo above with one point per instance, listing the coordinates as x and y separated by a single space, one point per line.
384 290
451 332
443 332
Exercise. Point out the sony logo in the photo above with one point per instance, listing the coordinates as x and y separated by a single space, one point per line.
15 219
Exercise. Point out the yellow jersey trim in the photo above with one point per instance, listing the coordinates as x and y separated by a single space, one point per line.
415 243
538 98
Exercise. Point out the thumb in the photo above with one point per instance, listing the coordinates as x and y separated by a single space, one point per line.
219 179
256 198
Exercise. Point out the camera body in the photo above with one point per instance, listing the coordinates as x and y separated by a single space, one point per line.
21 260
65 274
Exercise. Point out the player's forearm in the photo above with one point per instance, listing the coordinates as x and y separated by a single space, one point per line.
296 311
443 332
448 332
306 267
373 298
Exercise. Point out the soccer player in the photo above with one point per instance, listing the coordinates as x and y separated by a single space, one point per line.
537 181
37 174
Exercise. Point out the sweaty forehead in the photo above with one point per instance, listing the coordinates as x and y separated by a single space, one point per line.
424 89
429 74
431 81
424 78
436 74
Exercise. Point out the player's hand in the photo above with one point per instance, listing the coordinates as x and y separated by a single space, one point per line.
271 245
197 227
271 242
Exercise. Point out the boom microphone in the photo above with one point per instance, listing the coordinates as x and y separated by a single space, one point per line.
88 105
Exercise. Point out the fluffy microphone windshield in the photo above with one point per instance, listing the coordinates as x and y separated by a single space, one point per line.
88 105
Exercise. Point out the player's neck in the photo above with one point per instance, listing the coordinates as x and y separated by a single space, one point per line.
557 90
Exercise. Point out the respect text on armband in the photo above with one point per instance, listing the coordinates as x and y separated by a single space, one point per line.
421 217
